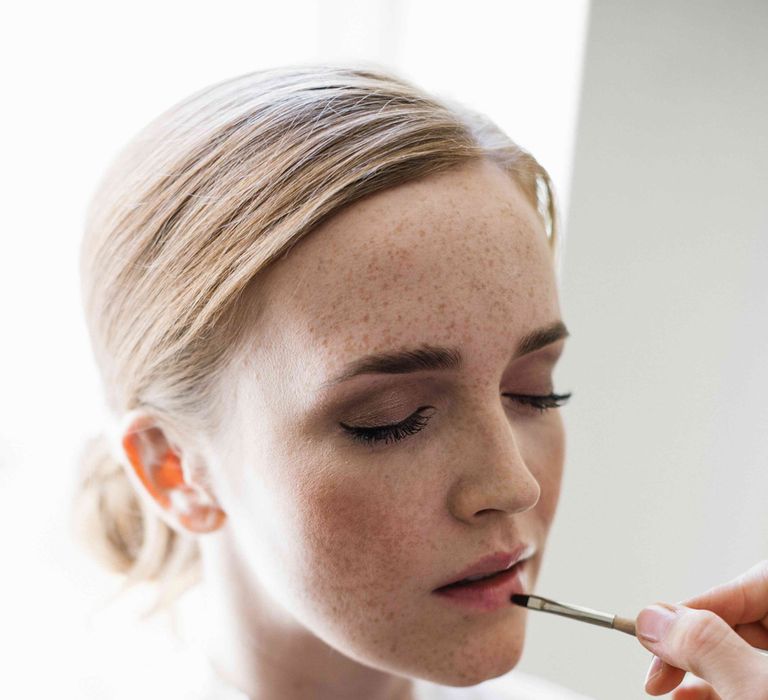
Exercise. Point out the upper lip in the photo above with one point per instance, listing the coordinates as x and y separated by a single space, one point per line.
491 563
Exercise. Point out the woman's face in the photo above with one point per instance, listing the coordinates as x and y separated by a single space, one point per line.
351 537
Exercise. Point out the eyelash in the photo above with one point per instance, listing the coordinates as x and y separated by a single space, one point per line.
414 423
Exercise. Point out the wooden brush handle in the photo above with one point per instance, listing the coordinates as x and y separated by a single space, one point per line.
624 624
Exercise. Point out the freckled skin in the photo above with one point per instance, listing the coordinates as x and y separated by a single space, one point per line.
334 547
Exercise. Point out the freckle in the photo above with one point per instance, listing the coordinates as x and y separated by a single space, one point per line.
366 317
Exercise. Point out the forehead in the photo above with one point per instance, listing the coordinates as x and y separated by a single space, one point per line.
449 259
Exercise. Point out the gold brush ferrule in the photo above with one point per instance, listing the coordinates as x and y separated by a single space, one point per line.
575 612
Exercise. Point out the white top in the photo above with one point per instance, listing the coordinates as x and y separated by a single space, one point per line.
154 664
512 686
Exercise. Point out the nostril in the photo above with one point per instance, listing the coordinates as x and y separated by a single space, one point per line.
488 510
473 498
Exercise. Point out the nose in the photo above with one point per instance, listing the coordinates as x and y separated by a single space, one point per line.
494 476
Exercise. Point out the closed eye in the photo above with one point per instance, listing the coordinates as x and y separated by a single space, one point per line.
390 433
540 403
387 434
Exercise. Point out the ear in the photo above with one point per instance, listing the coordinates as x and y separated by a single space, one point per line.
165 474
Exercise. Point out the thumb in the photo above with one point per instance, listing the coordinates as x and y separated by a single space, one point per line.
704 644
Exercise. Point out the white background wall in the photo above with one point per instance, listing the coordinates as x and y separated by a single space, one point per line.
664 289
666 293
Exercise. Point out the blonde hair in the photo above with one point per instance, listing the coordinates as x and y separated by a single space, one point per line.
202 200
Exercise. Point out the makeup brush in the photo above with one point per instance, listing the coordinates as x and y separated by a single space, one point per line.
575 612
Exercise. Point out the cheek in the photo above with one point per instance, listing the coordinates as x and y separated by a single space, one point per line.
356 534
544 454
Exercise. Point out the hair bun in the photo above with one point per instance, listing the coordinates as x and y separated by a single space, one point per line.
107 513
118 529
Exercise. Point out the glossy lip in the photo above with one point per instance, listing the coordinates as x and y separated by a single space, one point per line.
492 563
489 594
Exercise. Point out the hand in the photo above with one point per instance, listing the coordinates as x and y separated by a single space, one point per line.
716 636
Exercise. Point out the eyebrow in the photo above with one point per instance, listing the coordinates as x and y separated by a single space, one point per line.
436 357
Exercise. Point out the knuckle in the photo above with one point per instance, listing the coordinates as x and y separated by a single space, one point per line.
701 633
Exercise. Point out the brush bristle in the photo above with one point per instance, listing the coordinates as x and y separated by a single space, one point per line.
519 599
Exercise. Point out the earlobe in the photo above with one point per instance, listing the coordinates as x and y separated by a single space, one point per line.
156 468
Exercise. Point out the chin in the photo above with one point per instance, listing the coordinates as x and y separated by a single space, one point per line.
472 664
485 669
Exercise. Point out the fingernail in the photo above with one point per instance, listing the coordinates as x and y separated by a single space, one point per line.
654 621
654 669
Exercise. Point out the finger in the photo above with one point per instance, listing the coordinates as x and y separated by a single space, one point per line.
743 599
701 642
662 677
754 634
695 689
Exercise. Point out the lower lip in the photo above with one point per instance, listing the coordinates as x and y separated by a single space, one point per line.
487 594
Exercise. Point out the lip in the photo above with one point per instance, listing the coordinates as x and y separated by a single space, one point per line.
492 562
489 594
